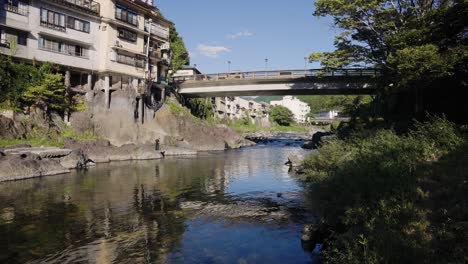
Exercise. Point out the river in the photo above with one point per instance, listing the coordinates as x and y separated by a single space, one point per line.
238 206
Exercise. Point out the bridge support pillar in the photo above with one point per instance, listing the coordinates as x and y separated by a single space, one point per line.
107 91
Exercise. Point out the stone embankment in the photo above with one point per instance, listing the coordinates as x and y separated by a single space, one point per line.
22 162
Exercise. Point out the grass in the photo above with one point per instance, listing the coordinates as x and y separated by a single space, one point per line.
241 126
50 140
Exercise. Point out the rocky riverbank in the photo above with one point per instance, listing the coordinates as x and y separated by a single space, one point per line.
22 162
127 137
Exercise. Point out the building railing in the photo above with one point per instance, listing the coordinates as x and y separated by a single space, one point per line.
83 5
68 52
366 72
139 63
20 10
158 30
4 43
53 26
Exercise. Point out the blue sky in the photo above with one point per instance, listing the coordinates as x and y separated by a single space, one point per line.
246 32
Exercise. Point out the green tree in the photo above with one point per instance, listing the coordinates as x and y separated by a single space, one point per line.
416 43
281 115
180 55
200 107
48 92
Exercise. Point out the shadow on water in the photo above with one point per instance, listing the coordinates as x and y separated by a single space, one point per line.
240 206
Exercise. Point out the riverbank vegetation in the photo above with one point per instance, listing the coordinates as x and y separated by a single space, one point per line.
390 198
393 183
23 86
37 138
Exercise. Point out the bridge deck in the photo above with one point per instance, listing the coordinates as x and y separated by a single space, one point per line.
285 82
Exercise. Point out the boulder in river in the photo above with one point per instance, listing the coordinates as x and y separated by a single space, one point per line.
76 159
295 161
314 233
317 138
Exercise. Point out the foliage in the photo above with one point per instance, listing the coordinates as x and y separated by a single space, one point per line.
389 195
201 108
420 45
23 86
48 92
50 139
281 115
177 108
180 55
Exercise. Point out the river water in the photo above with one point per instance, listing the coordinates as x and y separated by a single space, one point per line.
239 206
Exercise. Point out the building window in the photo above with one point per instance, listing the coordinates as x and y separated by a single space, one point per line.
62 47
52 20
126 15
3 41
127 34
132 60
78 24
10 37
22 39
16 6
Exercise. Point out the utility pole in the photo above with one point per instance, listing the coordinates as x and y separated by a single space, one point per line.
229 66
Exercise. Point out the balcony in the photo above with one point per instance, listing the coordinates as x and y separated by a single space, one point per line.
158 30
139 63
20 9
88 6
4 43
53 26
66 51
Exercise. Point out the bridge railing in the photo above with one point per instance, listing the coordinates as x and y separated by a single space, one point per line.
304 73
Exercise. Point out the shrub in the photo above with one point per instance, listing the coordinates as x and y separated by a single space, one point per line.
281 115
376 188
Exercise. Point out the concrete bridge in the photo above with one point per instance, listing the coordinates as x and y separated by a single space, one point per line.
283 82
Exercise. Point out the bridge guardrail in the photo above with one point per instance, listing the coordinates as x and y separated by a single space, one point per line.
367 72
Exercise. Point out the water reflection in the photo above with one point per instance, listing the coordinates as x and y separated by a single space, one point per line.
216 208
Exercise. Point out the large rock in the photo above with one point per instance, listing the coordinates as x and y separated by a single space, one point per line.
43 152
314 233
76 159
295 160
17 167
101 151
11 129
125 123
317 138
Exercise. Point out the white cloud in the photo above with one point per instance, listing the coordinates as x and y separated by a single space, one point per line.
211 51
240 34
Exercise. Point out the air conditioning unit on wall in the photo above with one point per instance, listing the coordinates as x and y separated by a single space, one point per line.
165 46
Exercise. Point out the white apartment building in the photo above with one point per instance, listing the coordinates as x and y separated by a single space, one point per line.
99 44
299 108
237 108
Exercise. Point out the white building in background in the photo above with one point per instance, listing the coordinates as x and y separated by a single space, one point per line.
237 108
297 107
